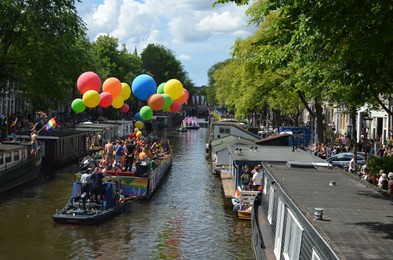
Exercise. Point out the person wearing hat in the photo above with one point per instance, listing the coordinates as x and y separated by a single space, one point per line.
390 182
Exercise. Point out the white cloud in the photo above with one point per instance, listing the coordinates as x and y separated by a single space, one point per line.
190 27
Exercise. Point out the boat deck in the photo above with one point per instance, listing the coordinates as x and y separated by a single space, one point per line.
228 185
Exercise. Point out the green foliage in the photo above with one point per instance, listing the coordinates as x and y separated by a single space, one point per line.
161 63
377 163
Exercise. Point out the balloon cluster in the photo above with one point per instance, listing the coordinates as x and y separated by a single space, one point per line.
113 93
168 96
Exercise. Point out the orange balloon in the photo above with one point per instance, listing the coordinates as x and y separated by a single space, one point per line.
183 98
113 86
156 102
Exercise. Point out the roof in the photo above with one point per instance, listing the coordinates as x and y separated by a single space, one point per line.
273 138
11 147
271 154
357 220
222 143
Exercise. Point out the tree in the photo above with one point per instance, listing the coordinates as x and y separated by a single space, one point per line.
42 49
162 65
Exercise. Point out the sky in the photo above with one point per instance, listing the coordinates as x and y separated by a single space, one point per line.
199 34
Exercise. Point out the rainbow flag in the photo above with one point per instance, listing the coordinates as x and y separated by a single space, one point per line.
51 124
217 114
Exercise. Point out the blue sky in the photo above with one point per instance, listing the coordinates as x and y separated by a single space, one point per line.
199 34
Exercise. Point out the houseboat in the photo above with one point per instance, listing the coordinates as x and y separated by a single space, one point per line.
18 165
308 209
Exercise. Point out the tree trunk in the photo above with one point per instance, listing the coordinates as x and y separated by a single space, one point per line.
319 118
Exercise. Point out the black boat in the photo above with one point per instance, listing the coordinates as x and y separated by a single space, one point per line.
82 211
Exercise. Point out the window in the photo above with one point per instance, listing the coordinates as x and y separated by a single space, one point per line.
224 130
293 237
315 256
264 185
270 209
16 155
7 157
279 229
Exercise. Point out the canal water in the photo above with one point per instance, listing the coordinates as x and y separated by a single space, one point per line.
185 219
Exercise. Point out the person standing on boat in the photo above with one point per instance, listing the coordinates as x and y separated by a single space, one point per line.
246 178
14 129
129 151
108 151
120 153
96 184
257 177
86 183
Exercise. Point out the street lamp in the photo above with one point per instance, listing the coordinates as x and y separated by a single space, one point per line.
367 124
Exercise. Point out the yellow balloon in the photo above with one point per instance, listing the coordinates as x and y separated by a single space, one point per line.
91 98
173 88
138 134
139 124
117 102
125 91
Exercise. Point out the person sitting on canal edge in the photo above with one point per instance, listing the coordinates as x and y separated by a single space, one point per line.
246 178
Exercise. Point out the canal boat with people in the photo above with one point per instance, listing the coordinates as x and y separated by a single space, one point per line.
144 178
18 164
82 209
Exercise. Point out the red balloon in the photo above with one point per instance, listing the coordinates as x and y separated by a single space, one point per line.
88 81
124 108
156 101
105 99
175 106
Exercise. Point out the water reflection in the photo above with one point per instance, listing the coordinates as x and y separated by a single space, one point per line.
185 219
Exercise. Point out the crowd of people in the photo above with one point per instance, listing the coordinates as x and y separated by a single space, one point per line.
134 155
252 179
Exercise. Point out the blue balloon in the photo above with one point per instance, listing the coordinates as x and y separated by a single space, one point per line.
138 117
143 86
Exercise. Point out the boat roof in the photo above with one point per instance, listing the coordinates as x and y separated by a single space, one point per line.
357 218
6 147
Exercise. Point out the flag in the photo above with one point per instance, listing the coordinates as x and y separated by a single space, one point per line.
217 114
51 124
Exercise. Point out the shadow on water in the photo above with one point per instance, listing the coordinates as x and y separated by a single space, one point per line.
185 219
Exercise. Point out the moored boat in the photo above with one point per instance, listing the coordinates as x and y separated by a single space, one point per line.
18 165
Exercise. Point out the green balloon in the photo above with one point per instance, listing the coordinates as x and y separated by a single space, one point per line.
168 101
78 105
160 89
146 113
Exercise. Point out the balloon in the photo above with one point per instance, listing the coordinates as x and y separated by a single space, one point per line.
156 102
78 106
138 134
113 86
138 116
143 86
117 102
173 88
88 81
91 98
105 99
146 113
124 108
125 91
175 106
168 101
183 98
160 89
139 124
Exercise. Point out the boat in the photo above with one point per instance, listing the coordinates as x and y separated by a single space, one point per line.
17 165
191 123
143 181
183 127
242 203
82 211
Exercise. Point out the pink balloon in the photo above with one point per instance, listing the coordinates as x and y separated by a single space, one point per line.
175 106
88 81
106 99
124 108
